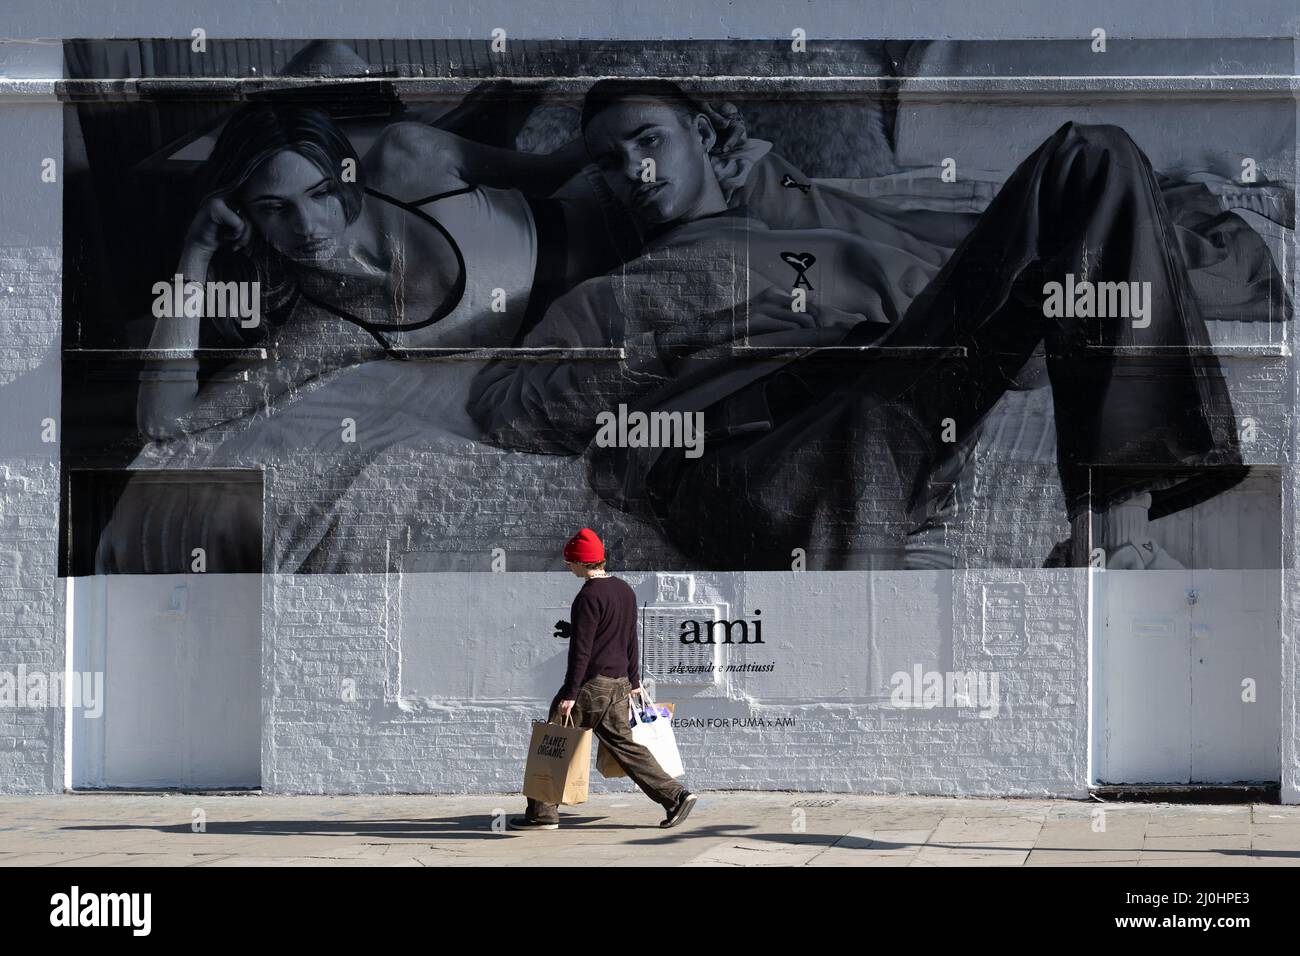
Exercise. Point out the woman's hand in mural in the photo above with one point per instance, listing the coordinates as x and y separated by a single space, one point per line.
169 389
216 224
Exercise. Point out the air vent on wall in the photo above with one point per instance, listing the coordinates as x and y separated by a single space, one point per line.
665 658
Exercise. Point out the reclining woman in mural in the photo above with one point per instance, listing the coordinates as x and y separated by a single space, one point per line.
797 450
425 242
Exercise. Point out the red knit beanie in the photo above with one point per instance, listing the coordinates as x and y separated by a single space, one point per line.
584 548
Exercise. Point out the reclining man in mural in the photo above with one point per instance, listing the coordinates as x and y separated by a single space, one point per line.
832 451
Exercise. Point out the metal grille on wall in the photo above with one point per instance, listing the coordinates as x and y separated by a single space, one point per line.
669 661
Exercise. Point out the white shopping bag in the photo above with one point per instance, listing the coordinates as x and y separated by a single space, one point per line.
657 737
605 762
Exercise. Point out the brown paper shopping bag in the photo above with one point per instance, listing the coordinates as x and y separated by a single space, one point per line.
606 765
559 763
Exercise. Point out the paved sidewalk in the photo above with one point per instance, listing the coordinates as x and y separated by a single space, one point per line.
726 829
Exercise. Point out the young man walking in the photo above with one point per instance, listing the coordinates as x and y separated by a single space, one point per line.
602 675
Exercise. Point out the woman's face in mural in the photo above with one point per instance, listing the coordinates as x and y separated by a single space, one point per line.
296 208
624 136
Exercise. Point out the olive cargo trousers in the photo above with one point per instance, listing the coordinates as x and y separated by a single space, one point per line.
601 704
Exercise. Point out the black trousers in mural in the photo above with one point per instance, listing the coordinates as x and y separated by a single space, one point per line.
1128 391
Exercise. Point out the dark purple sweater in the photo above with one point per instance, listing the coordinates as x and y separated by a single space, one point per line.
604 635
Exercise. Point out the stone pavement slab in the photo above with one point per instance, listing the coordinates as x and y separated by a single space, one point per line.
729 828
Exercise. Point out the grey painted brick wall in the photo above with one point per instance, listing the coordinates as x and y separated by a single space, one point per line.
326 629
320 630
31 594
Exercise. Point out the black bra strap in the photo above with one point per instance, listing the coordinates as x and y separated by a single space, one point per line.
419 202
447 306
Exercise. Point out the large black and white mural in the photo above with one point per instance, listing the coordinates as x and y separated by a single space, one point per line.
407 305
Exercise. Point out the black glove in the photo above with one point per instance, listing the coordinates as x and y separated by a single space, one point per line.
563 630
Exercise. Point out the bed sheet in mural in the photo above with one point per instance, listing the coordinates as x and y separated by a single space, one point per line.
732 325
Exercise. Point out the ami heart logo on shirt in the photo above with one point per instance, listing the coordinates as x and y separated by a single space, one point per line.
801 262
789 182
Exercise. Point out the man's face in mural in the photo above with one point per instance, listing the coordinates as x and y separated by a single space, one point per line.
622 137
296 208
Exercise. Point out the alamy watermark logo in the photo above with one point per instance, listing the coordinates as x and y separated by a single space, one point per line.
624 429
1083 299
953 689
32 688
223 300
74 908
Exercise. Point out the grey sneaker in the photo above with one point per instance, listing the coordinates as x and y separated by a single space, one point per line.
680 811
527 823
